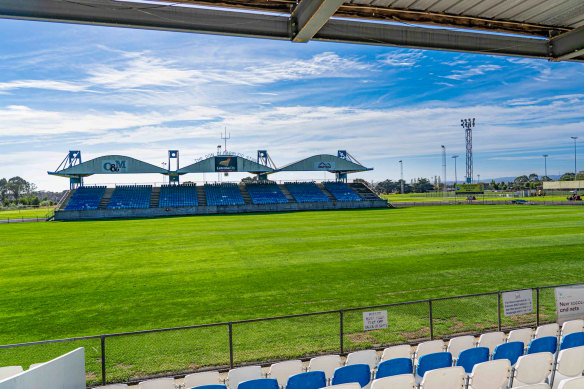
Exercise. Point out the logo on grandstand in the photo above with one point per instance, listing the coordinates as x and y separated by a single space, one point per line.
114 166
226 164
324 165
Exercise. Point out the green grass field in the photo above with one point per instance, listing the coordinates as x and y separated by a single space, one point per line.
86 278
426 197
40 213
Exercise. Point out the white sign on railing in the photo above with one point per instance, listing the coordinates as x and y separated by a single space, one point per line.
518 302
374 320
570 303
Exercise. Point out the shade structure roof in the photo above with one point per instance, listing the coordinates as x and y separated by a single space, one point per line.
545 29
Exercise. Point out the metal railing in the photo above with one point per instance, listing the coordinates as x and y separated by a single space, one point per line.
428 318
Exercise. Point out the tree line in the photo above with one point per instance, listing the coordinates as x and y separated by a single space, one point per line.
18 191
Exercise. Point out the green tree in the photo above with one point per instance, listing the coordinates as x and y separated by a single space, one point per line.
422 185
16 186
567 177
3 189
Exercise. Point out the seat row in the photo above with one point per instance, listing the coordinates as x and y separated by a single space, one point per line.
223 194
178 196
131 196
85 197
266 193
341 191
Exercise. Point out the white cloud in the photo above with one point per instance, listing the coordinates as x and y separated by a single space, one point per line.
43 84
403 59
472 71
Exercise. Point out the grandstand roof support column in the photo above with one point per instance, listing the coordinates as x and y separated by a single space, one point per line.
309 17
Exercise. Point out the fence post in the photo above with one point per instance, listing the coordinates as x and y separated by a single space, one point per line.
231 344
341 330
537 304
499 308
103 377
431 320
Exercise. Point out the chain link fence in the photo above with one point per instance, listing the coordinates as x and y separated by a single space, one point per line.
135 356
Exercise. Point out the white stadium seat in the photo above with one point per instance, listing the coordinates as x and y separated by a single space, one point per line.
240 374
282 370
572 383
445 378
402 381
535 386
9 371
570 364
367 357
203 378
429 347
401 351
547 330
114 386
158 383
571 326
521 335
491 340
351 385
490 375
533 369
326 363
460 343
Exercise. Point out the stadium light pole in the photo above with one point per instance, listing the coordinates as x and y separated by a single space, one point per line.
545 164
164 167
401 168
575 169
455 178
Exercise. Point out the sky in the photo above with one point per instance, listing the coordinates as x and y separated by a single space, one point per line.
105 90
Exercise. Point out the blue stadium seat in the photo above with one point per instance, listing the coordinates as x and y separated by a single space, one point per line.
210 387
470 357
433 361
223 194
511 351
395 366
306 192
262 383
546 344
266 193
359 372
131 196
575 339
178 196
308 380
341 191
85 197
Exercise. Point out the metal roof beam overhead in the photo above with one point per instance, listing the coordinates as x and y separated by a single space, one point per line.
148 16
309 17
568 46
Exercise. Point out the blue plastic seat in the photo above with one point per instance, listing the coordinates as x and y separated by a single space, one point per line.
395 366
545 344
470 357
359 372
511 351
262 383
308 380
433 361
575 339
210 387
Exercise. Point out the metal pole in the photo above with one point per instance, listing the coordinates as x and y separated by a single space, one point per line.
103 377
545 163
431 320
444 169
455 175
401 166
341 330
537 304
499 308
230 344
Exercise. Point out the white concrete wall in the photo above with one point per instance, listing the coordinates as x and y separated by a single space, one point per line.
64 372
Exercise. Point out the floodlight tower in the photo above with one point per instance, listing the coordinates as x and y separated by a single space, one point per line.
575 170
545 163
468 125
455 178
401 166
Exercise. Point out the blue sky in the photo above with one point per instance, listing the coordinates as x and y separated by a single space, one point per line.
140 93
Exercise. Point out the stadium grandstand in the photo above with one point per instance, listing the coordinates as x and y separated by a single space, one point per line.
547 357
261 195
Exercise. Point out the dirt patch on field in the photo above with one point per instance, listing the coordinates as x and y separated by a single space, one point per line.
360 337
422 333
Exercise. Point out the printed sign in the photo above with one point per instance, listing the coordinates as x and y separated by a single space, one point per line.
324 165
115 166
374 320
518 302
470 188
569 303
225 164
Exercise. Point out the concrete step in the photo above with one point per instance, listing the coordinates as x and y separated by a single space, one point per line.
155 197
107 196
244 194
287 193
326 192
201 198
